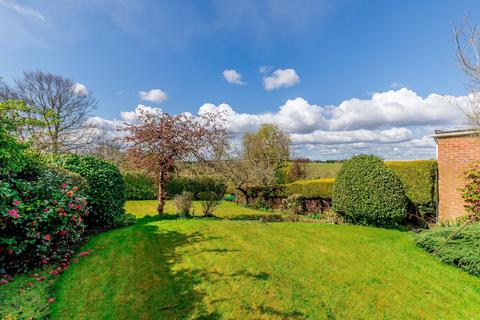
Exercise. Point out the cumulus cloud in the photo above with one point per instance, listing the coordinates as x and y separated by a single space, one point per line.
154 95
280 78
132 116
393 124
22 9
80 89
232 76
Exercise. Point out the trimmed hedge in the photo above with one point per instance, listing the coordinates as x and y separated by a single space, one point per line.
419 180
106 196
462 251
139 186
367 192
195 186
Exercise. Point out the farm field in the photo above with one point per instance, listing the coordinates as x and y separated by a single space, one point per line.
213 269
315 170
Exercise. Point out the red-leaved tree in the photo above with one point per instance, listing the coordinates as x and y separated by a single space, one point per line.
159 141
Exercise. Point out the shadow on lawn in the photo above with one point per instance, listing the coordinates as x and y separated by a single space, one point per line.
174 295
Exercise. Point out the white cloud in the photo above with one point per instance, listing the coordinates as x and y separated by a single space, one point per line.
232 76
132 116
80 89
392 124
154 95
281 78
22 9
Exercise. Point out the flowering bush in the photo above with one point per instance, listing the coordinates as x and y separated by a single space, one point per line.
471 192
40 220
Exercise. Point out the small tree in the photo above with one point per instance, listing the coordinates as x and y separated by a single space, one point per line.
160 141
209 201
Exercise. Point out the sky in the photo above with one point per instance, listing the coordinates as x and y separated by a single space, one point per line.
341 77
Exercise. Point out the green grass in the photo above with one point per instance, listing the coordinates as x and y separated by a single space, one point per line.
314 170
226 210
213 269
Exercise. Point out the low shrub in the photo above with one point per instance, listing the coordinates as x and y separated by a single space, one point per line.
124 220
40 220
230 198
209 201
106 187
462 251
419 180
183 203
139 186
195 185
367 192
294 204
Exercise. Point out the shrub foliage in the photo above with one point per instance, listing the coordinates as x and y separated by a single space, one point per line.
139 186
461 251
195 185
106 187
367 192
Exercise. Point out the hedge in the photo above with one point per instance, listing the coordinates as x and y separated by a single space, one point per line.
367 192
308 189
106 196
194 185
139 186
419 180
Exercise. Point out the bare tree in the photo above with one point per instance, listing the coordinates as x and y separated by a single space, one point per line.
467 41
61 104
160 141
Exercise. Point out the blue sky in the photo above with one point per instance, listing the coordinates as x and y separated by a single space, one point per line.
339 50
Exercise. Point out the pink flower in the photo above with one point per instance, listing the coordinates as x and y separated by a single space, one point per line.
13 213
45 261
51 300
16 202
47 237
83 254
70 204
63 232
54 202
64 185
46 210
78 207
75 260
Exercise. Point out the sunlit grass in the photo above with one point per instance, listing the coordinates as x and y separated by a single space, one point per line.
211 269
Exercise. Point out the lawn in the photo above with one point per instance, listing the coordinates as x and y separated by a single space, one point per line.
226 210
218 269
213 269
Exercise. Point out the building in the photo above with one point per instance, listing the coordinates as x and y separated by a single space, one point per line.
456 150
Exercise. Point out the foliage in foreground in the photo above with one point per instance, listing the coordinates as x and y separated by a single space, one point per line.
367 192
106 187
462 251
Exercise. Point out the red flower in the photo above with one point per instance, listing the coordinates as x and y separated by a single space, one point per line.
83 254
63 232
10 251
75 260
16 202
75 189
45 261
70 204
51 300
47 237
3 281
46 210
13 213
78 207
54 202
64 185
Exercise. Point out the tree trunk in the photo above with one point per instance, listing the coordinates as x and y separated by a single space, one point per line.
161 193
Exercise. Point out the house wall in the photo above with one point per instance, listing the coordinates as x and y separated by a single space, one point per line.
454 156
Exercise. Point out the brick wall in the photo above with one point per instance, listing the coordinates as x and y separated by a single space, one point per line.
454 155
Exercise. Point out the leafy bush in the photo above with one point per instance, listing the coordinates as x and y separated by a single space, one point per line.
462 251
183 203
294 204
209 201
124 220
367 192
106 187
139 186
40 220
471 192
195 186
419 179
